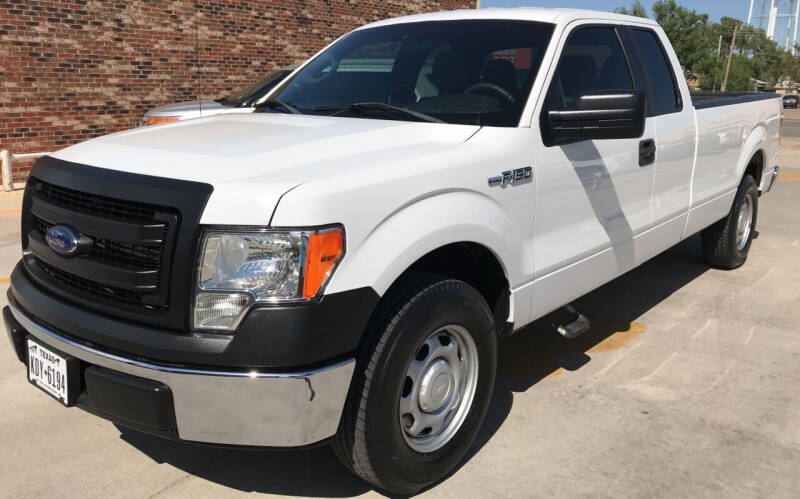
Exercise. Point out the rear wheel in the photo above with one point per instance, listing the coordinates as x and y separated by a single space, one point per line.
422 386
727 242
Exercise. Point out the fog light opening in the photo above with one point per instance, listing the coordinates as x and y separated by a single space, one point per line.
219 311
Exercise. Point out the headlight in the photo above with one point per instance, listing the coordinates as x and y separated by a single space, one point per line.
239 268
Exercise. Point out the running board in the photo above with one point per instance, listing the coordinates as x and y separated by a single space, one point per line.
569 322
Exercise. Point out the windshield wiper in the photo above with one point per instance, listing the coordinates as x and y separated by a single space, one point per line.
362 107
277 105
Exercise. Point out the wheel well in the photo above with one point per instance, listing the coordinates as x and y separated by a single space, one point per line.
475 265
756 166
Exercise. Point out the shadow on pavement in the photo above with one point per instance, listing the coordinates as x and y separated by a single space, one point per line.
525 358
311 472
537 351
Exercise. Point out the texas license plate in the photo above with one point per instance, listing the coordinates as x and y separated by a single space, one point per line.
50 371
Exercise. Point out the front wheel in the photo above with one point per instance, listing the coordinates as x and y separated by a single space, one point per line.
727 242
422 387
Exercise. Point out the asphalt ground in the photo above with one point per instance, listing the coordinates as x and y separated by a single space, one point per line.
687 385
791 124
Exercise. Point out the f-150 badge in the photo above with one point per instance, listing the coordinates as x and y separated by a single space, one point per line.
512 177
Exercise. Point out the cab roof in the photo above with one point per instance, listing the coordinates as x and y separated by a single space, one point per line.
554 16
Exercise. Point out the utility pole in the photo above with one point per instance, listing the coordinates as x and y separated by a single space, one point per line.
724 86
719 54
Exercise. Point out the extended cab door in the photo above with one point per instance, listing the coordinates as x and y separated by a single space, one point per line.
592 196
669 107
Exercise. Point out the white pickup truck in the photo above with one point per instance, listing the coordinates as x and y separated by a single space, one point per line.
339 267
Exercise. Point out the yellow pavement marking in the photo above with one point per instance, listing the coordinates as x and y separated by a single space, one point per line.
620 338
6 212
612 342
5 280
789 176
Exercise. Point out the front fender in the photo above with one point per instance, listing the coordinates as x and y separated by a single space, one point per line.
420 227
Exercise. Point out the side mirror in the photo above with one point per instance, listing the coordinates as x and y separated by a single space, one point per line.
614 114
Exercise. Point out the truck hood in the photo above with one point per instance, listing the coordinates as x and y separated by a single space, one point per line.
251 160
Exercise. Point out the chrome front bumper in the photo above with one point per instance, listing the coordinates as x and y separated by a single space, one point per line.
226 407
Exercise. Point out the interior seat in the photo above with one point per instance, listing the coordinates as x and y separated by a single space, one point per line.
500 72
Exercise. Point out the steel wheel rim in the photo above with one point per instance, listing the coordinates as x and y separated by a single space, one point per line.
438 388
744 223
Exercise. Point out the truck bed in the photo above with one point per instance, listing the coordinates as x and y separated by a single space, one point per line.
702 100
729 128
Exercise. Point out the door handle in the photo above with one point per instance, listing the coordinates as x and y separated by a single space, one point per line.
647 152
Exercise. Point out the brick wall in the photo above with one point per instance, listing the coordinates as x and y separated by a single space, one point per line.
76 69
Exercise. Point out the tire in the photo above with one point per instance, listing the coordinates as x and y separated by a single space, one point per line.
725 244
370 440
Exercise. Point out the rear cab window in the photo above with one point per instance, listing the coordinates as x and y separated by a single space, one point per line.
663 96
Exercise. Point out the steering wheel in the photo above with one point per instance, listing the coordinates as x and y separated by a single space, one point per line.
325 60
485 85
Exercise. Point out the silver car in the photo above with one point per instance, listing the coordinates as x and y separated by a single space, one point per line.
240 102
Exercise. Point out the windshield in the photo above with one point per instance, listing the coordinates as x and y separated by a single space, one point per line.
466 72
251 94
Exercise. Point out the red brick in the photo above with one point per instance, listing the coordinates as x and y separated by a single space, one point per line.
79 72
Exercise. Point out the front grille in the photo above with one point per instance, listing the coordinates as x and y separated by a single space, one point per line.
129 211
138 239
123 253
116 267
105 292
117 252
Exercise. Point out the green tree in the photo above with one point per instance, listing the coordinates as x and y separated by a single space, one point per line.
741 76
636 9
702 48
785 70
688 31
756 57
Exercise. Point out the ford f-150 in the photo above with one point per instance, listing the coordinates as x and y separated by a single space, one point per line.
338 267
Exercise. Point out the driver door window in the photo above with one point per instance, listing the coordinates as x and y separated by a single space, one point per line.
592 60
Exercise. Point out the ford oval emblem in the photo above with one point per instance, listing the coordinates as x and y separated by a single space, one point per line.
62 240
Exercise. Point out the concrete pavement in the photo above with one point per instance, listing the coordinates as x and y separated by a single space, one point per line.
791 125
687 385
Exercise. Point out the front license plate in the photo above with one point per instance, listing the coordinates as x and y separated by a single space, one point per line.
50 371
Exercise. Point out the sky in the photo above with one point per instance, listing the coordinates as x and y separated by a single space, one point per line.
714 8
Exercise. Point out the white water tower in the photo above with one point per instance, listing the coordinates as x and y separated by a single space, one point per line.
770 13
